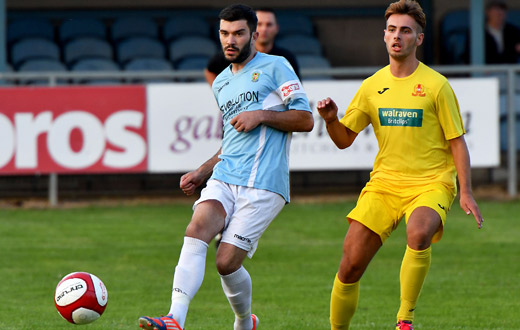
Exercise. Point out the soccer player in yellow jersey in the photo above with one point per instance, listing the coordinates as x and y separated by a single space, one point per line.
417 122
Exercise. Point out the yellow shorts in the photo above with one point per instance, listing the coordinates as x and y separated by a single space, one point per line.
381 209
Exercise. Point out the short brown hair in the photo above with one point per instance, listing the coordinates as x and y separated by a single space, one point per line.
407 7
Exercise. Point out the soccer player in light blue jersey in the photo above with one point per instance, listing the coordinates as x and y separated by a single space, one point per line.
262 101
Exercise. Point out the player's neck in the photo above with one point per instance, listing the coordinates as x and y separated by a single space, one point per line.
235 67
403 68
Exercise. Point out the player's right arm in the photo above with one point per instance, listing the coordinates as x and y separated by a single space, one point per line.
342 136
191 180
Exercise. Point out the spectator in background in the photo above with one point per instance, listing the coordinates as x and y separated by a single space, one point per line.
502 38
267 29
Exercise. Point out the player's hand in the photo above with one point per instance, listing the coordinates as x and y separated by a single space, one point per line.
247 121
468 204
328 110
190 181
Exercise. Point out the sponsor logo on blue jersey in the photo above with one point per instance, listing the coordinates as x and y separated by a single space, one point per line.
233 105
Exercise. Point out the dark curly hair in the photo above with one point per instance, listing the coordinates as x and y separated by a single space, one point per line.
238 12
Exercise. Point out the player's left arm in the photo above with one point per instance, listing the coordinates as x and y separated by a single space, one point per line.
460 153
298 116
288 121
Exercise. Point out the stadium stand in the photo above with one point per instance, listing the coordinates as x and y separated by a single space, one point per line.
193 63
513 16
295 24
29 28
149 64
71 29
42 65
190 64
191 46
33 48
181 26
312 61
186 39
138 47
86 47
454 28
126 27
300 44
93 65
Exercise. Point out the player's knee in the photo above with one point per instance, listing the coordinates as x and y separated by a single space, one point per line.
194 229
420 238
202 231
350 273
419 241
226 265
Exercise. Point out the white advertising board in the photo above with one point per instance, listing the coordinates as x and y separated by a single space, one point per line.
480 110
184 127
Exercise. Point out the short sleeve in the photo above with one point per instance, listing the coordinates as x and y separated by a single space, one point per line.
356 117
289 86
449 113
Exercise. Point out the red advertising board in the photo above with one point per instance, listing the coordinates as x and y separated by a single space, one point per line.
73 130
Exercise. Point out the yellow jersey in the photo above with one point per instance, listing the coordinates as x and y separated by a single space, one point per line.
413 120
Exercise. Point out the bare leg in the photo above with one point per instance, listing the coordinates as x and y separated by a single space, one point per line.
359 247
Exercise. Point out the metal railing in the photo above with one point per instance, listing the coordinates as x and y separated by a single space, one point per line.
510 71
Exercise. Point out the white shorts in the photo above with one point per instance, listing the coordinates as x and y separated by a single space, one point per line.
249 211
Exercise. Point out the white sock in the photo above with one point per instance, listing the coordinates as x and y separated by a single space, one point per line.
238 289
188 277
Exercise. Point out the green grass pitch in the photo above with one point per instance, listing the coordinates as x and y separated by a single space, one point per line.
473 282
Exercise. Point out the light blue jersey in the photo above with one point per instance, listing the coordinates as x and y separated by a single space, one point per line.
259 158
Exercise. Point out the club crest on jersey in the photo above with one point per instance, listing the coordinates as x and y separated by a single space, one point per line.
419 90
255 76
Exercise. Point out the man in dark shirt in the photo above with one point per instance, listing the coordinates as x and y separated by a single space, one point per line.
267 29
502 39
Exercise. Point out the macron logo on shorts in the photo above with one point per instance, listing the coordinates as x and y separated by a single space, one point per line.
242 238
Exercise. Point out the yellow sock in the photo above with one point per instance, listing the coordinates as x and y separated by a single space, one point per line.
343 304
414 269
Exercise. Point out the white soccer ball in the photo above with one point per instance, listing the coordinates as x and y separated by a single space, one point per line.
81 298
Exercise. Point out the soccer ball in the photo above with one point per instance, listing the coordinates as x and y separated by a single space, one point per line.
81 298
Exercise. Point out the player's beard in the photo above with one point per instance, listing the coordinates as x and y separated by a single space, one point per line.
243 53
